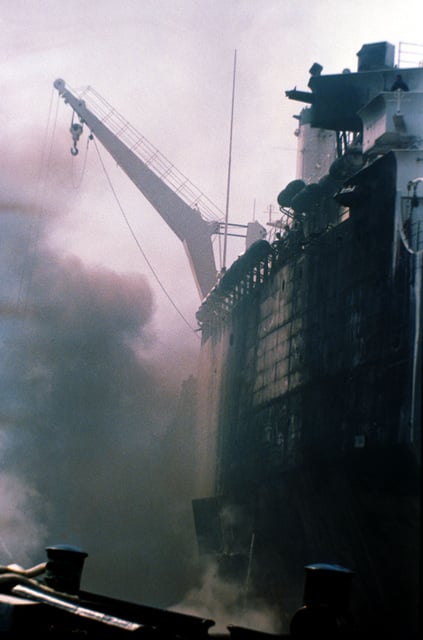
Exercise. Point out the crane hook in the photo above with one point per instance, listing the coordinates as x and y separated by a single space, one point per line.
76 131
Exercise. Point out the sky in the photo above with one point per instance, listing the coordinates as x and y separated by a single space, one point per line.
167 67
93 341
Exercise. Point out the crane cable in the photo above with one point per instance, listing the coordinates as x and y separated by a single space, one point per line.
137 242
77 180
34 230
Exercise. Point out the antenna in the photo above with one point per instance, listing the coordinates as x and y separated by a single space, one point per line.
229 168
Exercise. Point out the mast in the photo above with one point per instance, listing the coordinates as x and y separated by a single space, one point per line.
229 166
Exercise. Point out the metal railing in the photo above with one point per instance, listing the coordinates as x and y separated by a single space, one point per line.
410 55
149 154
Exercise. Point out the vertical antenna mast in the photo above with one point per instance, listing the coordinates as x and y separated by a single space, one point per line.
229 167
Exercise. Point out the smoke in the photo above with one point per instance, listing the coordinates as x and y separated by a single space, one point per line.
96 444
84 418
18 505
228 604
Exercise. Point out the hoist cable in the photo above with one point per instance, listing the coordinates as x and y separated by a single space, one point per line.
28 265
77 184
137 242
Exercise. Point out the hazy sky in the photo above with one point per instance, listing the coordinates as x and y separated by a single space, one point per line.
91 345
167 66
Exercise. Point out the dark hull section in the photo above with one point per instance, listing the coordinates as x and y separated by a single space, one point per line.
318 430
346 512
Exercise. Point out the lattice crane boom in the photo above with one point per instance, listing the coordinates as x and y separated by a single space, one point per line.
179 203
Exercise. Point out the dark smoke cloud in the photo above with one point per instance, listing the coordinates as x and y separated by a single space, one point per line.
84 422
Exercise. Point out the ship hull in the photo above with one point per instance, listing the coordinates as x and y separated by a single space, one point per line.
310 371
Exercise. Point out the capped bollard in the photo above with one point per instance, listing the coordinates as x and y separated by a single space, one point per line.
328 584
64 568
326 599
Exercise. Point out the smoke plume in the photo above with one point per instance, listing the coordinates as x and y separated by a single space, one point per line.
96 440
84 418
227 603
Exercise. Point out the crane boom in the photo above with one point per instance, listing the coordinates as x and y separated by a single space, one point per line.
182 214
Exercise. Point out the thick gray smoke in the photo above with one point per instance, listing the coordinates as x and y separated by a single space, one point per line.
85 446
96 440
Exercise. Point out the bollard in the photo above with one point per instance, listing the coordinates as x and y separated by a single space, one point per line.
64 568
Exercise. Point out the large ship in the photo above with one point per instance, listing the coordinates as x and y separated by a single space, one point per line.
308 390
310 367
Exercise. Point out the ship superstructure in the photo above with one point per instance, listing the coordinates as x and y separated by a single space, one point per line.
309 429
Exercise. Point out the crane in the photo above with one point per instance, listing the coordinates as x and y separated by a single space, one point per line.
188 212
